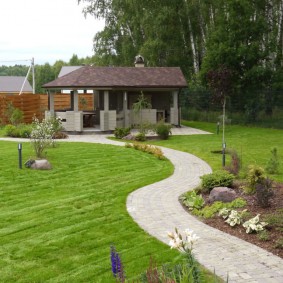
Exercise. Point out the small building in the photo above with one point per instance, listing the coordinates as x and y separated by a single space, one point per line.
115 90
14 84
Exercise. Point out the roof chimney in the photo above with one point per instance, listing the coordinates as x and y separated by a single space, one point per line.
139 61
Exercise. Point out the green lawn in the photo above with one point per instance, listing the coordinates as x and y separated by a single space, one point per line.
58 225
252 144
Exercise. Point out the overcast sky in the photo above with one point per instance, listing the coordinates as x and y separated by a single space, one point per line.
47 30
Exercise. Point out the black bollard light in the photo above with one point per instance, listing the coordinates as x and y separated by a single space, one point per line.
20 155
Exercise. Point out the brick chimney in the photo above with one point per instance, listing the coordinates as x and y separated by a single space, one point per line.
139 61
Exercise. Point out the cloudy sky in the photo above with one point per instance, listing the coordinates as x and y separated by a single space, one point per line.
46 30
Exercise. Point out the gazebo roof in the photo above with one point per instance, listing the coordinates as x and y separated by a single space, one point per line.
88 77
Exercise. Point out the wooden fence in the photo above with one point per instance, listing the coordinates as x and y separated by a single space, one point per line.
36 104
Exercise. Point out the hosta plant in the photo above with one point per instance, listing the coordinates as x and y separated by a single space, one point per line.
192 200
224 212
235 217
254 225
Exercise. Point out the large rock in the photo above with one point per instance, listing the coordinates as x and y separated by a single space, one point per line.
41 164
223 194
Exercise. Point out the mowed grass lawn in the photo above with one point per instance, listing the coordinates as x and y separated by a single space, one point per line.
58 225
252 144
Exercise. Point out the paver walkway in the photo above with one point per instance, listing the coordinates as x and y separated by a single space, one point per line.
157 210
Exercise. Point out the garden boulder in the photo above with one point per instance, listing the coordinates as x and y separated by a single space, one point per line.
41 164
129 137
223 194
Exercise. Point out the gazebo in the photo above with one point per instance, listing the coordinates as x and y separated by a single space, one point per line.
115 90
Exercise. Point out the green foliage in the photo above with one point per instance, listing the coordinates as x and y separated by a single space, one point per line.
272 166
210 210
163 130
263 235
14 115
235 164
186 272
255 175
140 137
42 133
142 103
275 219
119 133
18 131
192 200
216 179
264 192
279 243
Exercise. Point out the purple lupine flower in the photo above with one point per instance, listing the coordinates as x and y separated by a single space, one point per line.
116 264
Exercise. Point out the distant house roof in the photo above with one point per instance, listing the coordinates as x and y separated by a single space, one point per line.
13 84
67 69
120 77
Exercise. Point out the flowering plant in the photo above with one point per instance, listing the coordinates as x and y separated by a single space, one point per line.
254 225
116 264
182 244
185 244
42 133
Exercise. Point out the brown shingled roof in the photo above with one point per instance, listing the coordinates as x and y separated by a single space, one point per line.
121 77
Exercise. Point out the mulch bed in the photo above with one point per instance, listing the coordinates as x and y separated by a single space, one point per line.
253 208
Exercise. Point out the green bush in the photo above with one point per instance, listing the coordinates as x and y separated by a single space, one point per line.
11 131
25 130
13 114
264 192
140 137
19 131
235 164
163 130
119 133
273 163
255 176
216 179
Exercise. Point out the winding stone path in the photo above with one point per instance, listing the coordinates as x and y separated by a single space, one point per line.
157 210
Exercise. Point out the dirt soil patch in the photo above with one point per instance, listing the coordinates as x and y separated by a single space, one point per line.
275 232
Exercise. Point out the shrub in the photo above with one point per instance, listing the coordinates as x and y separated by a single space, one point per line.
25 130
119 133
235 165
163 130
55 124
156 151
42 135
255 175
216 179
11 131
264 192
273 163
18 131
14 115
140 137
